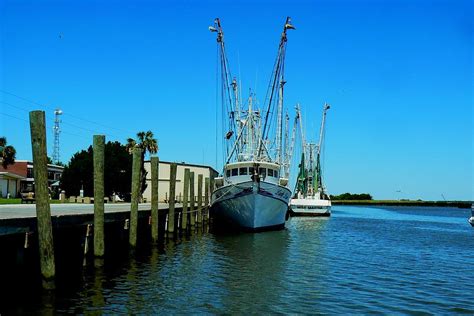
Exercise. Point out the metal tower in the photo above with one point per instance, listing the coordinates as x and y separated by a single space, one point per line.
56 131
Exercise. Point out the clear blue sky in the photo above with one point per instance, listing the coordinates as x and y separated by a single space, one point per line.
398 74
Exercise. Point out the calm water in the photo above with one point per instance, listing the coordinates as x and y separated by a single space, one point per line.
361 260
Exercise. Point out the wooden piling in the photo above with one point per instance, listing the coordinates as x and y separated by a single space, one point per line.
154 198
199 200
185 216
136 166
171 219
43 211
86 243
191 200
98 156
211 185
206 199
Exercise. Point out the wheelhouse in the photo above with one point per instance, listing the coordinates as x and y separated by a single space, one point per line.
246 171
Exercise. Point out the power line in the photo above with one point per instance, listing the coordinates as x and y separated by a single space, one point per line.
74 116
27 121
65 123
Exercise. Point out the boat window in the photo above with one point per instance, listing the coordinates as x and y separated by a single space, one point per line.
270 172
251 171
243 171
228 173
235 172
263 172
275 173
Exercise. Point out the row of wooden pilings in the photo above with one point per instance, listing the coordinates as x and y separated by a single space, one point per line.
191 216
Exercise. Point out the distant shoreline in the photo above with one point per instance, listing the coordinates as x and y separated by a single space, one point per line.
459 204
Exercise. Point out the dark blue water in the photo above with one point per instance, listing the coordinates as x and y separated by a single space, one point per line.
361 260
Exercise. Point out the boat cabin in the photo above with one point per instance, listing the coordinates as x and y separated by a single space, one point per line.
243 171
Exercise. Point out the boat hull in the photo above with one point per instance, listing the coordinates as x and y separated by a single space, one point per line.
310 207
471 221
251 206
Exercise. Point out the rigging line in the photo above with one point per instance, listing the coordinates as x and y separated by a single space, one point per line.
274 81
47 106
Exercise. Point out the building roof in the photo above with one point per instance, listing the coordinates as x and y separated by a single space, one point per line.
186 164
30 162
10 175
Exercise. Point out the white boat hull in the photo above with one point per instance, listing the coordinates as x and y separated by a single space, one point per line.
471 221
310 207
251 206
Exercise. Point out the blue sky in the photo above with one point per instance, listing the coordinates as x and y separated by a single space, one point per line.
398 75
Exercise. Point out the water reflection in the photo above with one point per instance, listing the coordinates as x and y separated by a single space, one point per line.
308 268
252 266
343 264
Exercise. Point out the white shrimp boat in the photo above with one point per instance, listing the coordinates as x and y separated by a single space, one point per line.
310 198
252 193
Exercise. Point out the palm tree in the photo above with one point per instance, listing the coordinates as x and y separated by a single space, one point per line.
7 153
148 144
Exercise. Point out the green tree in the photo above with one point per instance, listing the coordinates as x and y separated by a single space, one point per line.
147 143
7 153
351 197
117 172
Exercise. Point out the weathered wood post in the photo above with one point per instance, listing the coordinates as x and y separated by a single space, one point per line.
136 166
199 200
171 219
211 190
185 216
99 158
154 198
191 199
206 199
43 211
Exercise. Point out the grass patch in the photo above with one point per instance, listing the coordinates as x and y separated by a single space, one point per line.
10 201
18 201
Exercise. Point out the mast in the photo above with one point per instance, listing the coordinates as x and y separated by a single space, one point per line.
237 109
321 130
279 135
303 140
277 82
229 106
250 129
286 148
319 183
292 142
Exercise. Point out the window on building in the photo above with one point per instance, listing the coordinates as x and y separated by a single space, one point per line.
235 172
29 173
243 171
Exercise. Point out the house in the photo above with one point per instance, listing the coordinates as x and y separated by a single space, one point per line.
164 179
19 177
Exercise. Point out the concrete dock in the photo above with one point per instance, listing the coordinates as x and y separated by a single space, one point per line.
21 218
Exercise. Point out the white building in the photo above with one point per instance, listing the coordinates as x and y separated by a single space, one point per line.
164 179
9 184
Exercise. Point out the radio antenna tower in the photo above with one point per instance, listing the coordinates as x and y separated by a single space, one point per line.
56 131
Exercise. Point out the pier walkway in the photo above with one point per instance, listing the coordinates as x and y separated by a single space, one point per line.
20 218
